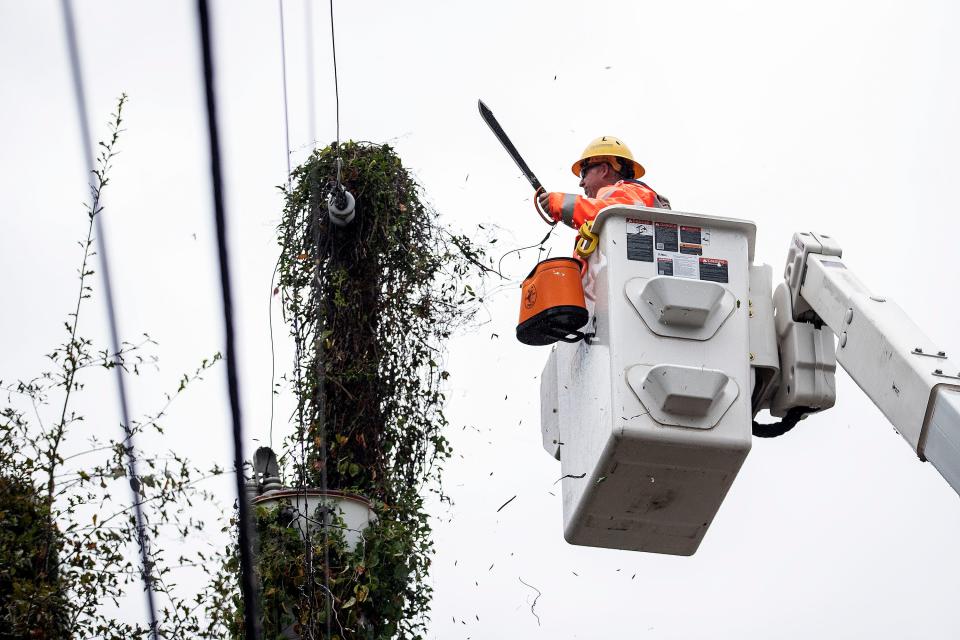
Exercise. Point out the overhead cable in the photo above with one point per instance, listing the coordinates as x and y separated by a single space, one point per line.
311 87
87 142
286 108
247 587
336 82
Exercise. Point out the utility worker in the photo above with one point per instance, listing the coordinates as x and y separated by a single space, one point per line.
608 175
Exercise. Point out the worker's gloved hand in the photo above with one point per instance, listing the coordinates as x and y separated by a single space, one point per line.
544 199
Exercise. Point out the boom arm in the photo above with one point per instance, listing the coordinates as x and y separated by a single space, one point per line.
901 370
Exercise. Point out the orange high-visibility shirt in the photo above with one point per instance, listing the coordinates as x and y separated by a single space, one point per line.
575 210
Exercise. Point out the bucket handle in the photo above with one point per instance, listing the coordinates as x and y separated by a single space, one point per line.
570 336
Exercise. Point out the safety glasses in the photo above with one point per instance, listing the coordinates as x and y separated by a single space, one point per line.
586 167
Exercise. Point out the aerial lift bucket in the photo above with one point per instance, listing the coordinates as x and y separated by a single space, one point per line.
552 306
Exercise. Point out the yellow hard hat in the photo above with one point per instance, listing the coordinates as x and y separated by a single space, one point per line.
612 150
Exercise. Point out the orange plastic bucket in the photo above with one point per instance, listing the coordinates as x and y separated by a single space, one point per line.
551 303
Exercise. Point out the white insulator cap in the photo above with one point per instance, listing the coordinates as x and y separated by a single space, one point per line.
341 217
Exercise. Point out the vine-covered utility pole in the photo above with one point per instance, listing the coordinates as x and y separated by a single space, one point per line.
344 542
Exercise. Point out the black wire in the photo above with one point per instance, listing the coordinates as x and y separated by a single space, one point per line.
273 352
336 84
247 588
81 100
776 429
540 244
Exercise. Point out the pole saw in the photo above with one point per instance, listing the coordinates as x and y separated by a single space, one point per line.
501 135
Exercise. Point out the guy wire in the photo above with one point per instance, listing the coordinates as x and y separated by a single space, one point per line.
81 104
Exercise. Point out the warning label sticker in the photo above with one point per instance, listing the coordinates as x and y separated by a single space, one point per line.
664 266
666 236
676 249
639 240
686 267
714 270
691 235
678 265
694 235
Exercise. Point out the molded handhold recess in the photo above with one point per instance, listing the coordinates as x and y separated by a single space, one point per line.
683 396
680 308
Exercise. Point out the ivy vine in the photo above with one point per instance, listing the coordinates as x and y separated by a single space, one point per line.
370 306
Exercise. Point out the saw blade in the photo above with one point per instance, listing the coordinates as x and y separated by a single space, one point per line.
498 131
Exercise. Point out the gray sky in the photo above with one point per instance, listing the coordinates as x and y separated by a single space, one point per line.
825 116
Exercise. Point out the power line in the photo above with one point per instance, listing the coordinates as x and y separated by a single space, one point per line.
311 88
336 82
87 141
286 108
247 587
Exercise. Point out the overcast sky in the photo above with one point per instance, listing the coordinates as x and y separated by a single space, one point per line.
840 117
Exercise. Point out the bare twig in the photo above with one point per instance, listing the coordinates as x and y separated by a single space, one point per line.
534 604
506 503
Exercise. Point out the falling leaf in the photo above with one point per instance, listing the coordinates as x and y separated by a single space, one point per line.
303 256
570 475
